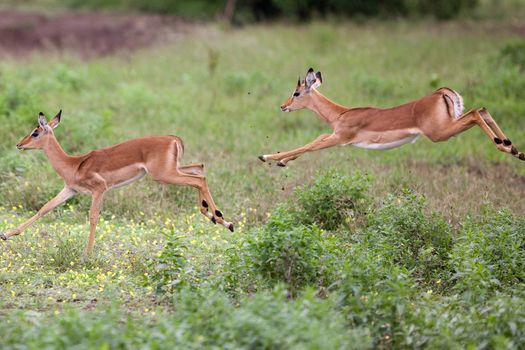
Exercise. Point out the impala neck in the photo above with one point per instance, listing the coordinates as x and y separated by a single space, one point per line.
328 110
59 159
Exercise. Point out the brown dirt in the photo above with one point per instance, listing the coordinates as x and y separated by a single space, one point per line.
86 34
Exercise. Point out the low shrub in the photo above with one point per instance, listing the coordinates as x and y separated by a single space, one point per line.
450 323
298 256
376 294
265 320
166 270
332 198
400 230
489 255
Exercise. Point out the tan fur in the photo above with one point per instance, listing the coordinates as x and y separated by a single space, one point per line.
100 170
371 127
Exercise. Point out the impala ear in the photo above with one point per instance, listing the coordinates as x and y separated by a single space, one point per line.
43 122
319 77
312 80
56 120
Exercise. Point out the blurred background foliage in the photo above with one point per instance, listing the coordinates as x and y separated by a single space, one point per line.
248 11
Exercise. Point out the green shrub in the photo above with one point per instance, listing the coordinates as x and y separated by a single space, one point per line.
298 256
498 323
400 230
265 320
489 255
166 270
376 294
332 198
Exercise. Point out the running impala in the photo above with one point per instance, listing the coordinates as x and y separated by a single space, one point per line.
438 116
119 165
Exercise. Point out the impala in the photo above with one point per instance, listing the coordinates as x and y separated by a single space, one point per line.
115 166
438 116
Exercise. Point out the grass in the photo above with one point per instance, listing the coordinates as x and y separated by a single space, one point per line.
220 89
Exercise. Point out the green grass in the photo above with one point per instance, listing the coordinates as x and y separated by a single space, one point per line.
442 220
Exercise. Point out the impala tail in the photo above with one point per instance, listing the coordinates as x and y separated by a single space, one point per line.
454 102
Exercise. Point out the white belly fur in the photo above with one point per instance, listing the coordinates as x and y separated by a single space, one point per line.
388 145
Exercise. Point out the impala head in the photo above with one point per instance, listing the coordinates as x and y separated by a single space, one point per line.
39 136
301 94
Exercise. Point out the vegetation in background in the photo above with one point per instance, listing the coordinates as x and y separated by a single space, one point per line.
244 11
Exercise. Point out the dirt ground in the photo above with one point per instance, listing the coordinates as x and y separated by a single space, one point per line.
86 34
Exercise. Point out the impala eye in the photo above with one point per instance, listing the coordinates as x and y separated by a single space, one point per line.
35 134
297 93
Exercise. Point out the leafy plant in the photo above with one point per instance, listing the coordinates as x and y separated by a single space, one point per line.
298 256
167 268
401 230
489 255
332 198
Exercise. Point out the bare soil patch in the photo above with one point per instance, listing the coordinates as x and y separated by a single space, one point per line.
86 34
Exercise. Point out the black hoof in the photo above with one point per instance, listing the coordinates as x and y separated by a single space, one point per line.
507 142
204 204
213 220
498 141
230 227
281 164
218 213
514 150
522 156
262 159
3 237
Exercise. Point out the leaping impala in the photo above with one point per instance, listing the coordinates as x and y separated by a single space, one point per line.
438 116
115 166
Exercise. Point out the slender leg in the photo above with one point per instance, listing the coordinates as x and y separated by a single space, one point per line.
482 118
282 155
505 145
206 200
323 141
193 169
286 160
495 127
94 212
60 198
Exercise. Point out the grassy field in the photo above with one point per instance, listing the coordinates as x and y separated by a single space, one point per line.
421 246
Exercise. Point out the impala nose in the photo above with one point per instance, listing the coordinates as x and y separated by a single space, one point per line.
19 146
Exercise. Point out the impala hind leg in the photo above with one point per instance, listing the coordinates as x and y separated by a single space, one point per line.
468 120
505 145
206 203
495 127
194 169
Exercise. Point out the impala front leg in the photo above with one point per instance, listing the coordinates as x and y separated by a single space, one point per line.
94 212
323 141
60 198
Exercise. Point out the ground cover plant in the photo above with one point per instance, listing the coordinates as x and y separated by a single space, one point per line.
418 247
